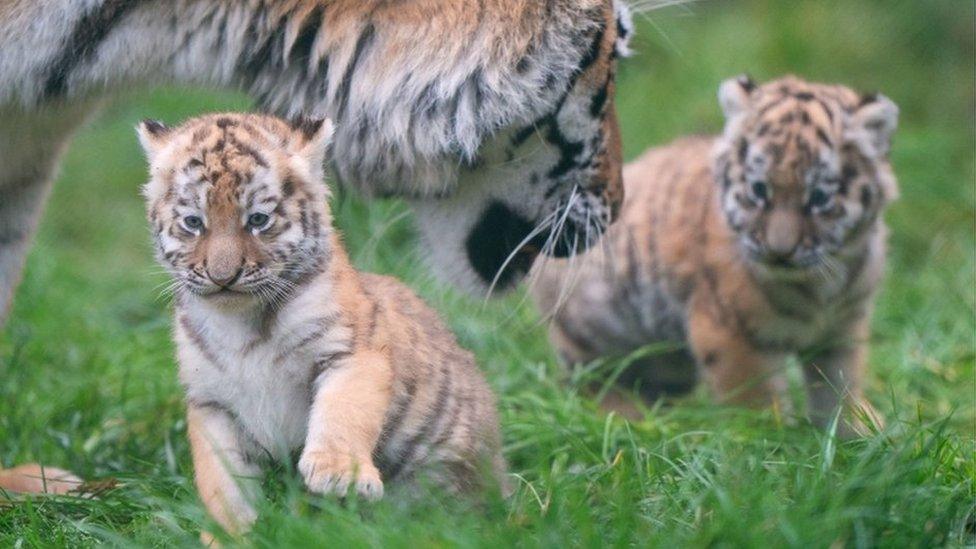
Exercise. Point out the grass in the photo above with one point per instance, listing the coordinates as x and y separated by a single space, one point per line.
89 379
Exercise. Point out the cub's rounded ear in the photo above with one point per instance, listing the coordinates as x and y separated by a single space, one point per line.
314 135
153 135
733 95
872 124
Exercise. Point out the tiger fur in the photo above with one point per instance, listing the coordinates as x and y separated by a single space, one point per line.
744 249
283 346
486 118
492 119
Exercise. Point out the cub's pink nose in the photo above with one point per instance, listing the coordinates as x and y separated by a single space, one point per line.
224 278
782 234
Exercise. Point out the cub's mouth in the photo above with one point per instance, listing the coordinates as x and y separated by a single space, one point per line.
503 245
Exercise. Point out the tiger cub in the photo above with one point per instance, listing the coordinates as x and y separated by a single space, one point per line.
746 248
283 346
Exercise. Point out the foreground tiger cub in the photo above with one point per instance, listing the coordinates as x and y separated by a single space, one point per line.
283 346
746 248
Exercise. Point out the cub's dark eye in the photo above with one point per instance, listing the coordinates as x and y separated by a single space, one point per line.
818 198
760 190
257 220
193 222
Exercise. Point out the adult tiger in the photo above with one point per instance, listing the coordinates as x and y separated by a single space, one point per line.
494 118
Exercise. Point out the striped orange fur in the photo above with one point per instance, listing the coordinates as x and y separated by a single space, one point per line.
283 346
743 250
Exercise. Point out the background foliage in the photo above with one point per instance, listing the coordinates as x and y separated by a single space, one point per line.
89 380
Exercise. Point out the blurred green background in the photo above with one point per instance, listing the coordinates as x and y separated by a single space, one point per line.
88 377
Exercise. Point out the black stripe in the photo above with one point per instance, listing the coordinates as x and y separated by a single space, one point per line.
373 315
447 422
397 414
83 43
827 111
769 106
443 392
303 216
323 364
301 50
249 151
196 338
321 327
242 430
822 135
259 54
12 235
399 411
589 57
847 176
476 81
523 134
593 53
600 99
364 40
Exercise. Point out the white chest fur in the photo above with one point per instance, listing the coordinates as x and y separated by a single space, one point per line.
262 373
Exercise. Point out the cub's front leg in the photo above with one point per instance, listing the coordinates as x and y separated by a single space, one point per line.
736 370
344 425
226 480
834 378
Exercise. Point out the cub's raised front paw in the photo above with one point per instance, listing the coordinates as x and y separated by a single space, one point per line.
334 473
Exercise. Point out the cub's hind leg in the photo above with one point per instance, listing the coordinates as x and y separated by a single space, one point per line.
227 481
658 375
663 374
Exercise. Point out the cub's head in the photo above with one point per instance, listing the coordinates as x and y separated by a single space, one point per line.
237 204
803 168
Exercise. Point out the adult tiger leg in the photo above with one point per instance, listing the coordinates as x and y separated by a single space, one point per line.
30 146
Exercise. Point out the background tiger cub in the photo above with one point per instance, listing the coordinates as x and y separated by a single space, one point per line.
764 242
282 345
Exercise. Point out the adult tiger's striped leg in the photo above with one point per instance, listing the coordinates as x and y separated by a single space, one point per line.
30 147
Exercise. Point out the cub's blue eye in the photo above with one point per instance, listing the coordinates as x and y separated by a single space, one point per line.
192 222
818 198
760 190
257 220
